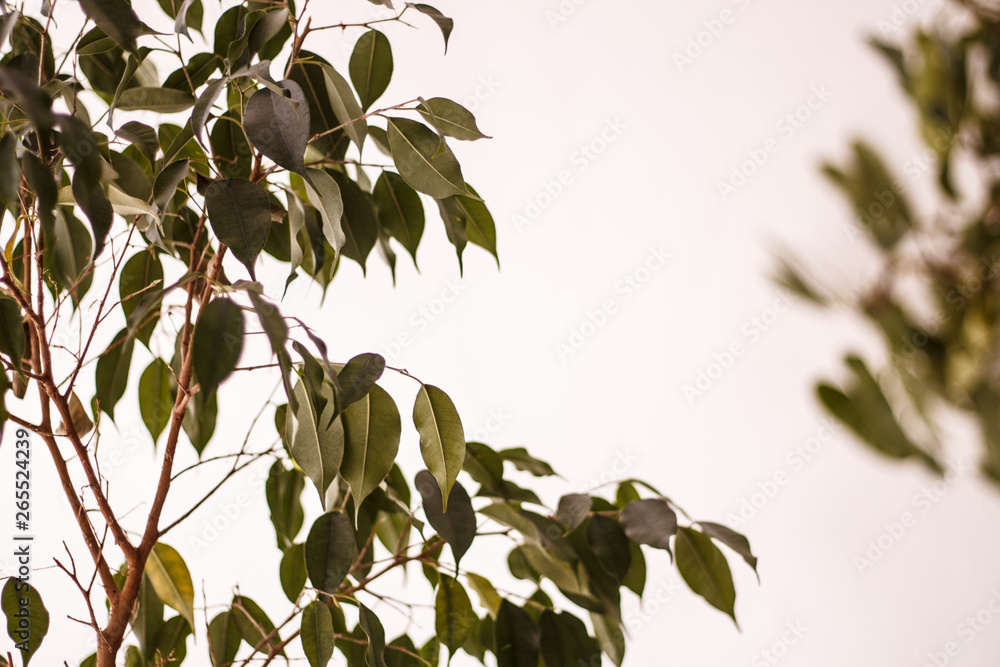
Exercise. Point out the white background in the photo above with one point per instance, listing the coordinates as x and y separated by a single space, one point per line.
544 87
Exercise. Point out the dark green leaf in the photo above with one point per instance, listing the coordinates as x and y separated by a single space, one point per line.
400 211
147 617
223 639
573 509
649 521
11 331
360 223
292 571
167 181
317 440
254 625
116 18
371 66
284 498
705 570
368 621
358 376
451 118
516 637
155 402
565 641
443 22
735 541
415 153
23 606
278 126
160 100
457 525
141 136
329 551
454 619
171 640
241 217
317 634
468 219
523 461
218 342
112 371
141 275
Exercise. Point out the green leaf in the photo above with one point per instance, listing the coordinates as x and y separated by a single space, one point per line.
649 521
141 136
278 126
27 618
523 461
324 194
156 405
415 153
68 249
451 118
171 640
468 219
330 551
317 634
372 627
372 429
160 100
488 596
199 419
345 106
360 222
565 641
292 571
735 541
284 492
705 570
112 371
317 450
358 376
400 211
11 331
610 637
443 22
202 108
167 181
116 18
635 578
573 508
141 275
223 639
457 525
551 567
454 618
231 151
442 439
147 619
254 625
516 637
371 66
171 580
218 342
241 217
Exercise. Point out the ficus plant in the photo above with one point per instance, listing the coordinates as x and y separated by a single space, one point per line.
148 235
934 296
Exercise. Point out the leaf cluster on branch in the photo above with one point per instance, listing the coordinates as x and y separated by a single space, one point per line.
110 212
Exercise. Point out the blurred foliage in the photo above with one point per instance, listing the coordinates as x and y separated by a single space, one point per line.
934 297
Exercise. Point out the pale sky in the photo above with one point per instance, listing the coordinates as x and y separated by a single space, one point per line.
625 271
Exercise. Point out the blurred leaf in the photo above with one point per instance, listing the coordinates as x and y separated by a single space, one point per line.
705 570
